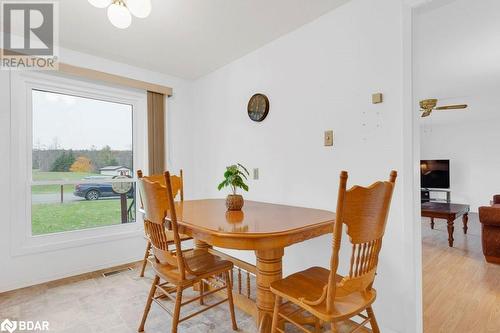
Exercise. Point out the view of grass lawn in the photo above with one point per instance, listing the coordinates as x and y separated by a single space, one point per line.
76 215
43 175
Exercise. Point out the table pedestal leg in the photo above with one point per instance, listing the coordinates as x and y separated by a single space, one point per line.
465 219
432 223
200 245
269 269
451 229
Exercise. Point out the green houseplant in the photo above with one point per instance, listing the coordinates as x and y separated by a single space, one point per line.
234 177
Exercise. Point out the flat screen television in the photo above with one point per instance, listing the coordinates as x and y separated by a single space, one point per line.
435 174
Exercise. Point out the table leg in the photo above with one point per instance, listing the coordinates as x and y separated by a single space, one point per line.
465 220
269 269
432 223
451 229
200 245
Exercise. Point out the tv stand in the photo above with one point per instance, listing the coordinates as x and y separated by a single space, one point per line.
426 195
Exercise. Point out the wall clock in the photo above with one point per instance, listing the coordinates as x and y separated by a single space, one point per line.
258 107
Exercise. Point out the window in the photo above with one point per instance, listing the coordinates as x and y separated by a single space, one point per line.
79 145
74 156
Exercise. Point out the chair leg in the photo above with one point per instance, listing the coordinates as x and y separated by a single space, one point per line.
230 300
202 291
177 309
145 260
373 321
151 295
277 303
317 326
333 328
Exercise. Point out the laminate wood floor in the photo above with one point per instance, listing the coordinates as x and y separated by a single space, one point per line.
461 291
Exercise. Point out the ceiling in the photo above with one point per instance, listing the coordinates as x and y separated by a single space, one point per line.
456 59
186 38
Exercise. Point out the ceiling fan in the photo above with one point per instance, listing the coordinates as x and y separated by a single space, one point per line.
429 105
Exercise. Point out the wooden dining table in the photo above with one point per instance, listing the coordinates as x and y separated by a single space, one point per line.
261 227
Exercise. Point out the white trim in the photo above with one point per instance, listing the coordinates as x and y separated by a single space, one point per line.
21 143
77 238
416 3
413 312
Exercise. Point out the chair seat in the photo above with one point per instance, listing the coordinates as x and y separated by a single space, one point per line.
309 285
201 262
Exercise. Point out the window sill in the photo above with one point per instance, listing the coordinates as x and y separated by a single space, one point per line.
79 238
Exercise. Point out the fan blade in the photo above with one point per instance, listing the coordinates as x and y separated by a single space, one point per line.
426 113
452 107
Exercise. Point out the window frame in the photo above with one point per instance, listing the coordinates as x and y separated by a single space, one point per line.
21 158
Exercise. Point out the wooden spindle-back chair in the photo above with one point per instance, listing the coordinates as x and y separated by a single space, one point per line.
328 296
177 190
180 269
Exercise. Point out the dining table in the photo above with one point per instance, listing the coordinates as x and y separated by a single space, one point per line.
265 228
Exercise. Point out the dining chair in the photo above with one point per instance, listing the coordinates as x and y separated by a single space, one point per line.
179 269
325 294
177 190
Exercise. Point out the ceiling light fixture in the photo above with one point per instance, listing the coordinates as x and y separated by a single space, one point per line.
120 11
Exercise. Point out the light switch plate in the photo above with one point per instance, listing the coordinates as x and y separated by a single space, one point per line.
256 173
377 98
328 138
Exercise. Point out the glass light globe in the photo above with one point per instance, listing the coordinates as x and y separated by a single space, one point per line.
119 16
100 3
139 8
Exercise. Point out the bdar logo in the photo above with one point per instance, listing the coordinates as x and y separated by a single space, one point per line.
8 326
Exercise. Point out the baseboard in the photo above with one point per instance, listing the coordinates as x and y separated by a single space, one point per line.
382 327
387 330
89 269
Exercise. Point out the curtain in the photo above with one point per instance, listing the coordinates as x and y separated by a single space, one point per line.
156 133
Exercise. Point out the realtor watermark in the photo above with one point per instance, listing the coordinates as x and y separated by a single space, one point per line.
12 326
30 35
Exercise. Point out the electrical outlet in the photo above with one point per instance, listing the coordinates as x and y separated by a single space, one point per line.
328 138
256 173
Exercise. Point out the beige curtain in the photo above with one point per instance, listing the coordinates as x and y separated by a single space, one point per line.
156 132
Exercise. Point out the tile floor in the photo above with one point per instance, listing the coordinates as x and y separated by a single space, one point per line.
95 304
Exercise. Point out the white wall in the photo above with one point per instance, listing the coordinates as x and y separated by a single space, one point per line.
457 52
318 77
22 270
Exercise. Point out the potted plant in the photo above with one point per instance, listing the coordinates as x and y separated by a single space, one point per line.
235 177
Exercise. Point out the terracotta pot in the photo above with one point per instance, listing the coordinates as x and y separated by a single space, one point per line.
234 202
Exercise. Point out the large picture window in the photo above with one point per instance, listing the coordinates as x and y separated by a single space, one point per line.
74 157
82 157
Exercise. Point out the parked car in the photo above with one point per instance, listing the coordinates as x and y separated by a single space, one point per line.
94 191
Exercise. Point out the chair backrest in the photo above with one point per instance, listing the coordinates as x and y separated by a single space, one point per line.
364 211
158 200
176 181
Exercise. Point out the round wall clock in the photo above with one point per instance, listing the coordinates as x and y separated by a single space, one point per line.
258 107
